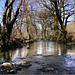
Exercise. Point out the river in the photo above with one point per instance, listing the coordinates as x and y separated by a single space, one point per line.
60 52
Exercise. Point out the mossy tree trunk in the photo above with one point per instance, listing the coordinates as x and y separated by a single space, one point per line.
7 21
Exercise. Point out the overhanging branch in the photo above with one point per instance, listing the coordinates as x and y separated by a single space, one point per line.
16 14
70 14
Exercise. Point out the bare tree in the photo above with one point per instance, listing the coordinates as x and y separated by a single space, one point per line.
60 13
8 21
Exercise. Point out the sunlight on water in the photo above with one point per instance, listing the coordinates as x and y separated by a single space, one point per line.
20 53
37 48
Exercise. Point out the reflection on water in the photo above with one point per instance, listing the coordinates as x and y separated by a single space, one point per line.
51 48
40 47
19 53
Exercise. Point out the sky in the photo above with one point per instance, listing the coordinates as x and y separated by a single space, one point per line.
2 2
35 6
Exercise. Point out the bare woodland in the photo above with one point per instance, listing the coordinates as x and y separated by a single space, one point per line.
36 20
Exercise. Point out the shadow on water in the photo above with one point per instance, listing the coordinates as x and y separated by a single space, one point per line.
43 55
4 56
37 48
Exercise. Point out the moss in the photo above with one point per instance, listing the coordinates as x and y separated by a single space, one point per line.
1 42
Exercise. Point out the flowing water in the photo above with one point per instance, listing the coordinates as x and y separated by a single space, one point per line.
43 48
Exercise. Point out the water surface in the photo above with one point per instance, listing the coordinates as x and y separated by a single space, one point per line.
42 48
39 47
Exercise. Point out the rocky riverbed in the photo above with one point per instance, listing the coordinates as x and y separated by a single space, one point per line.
39 64
41 57
49 64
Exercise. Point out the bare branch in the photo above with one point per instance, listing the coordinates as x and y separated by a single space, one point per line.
68 17
16 14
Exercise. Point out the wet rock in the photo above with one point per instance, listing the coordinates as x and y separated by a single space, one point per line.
14 64
26 65
12 71
47 69
8 71
39 62
6 64
38 55
3 69
8 68
48 56
18 68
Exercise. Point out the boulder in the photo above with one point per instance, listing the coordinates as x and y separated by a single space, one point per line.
47 69
6 64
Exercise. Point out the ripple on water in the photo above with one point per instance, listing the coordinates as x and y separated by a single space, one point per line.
69 60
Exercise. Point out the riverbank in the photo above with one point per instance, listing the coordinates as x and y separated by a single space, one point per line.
18 43
57 36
